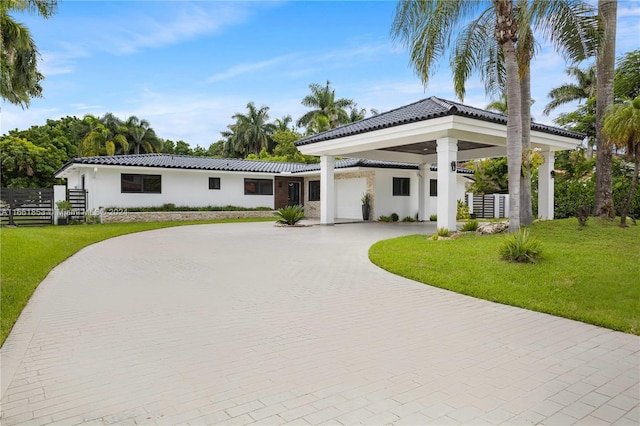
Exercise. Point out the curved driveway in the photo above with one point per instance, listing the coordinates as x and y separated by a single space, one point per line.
243 323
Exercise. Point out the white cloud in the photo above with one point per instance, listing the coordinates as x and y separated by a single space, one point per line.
247 68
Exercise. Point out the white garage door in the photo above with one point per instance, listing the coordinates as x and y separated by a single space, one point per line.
348 197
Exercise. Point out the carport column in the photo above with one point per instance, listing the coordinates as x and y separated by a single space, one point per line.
327 198
545 186
447 154
423 192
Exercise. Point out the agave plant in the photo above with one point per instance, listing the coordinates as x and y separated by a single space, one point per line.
290 215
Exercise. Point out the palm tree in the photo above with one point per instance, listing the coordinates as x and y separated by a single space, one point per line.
605 71
323 99
104 137
583 89
622 129
19 75
251 132
500 105
426 27
141 136
570 26
283 123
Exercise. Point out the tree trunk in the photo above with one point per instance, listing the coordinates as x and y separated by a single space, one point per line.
632 189
506 30
526 211
605 70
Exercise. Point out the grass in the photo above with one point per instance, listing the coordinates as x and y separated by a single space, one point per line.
590 275
29 253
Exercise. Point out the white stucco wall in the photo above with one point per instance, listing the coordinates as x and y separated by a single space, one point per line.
180 187
387 203
348 194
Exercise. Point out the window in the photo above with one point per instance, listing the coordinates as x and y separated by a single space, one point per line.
401 186
314 190
258 187
214 183
150 184
433 187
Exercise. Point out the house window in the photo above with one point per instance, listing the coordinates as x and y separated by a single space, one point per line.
401 186
148 184
314 190
214 183
433 187
258 187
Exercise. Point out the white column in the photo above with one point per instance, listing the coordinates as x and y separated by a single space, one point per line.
447 151
59 194
496 205
423 192
327 197
545 186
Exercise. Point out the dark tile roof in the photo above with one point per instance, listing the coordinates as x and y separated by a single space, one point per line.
169 161
425 109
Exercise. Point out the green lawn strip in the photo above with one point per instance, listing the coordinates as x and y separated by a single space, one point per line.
29 253
591 275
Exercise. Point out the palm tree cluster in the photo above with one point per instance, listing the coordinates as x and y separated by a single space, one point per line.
110 135
19 75
252 133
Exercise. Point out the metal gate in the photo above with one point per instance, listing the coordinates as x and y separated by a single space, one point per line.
26 206
78 200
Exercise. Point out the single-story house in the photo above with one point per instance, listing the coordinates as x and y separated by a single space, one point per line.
147 180
432 130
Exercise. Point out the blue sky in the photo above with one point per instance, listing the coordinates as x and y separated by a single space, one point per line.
187 67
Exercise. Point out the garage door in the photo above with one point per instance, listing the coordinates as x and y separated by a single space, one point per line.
348 197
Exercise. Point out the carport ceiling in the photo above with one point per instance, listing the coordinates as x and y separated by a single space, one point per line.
429 147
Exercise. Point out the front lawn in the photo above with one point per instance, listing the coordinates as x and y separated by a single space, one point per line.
591 275
28 254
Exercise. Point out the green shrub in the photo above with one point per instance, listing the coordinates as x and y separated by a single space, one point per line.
443 232
384 219
434 237
408 219
395 217
169 207
433 217
462 213
470 226
290 215
520 247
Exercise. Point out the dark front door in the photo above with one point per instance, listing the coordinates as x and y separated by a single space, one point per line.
294 194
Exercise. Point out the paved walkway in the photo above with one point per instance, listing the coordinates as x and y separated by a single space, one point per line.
244 323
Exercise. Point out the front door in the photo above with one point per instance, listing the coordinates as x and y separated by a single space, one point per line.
294 194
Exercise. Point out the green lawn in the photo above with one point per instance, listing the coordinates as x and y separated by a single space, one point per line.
29 253
591 275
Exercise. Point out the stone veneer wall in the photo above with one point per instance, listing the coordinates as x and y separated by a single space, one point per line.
312 208
179 216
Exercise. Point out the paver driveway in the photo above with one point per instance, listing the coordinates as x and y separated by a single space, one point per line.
242 323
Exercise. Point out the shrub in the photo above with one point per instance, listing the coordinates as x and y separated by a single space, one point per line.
443 232
434 237
395 217
462 213
470 226
290 215
408 219
520 247
384 219
433 217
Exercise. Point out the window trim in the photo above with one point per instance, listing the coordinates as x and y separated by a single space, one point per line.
398 190
143 178
312 193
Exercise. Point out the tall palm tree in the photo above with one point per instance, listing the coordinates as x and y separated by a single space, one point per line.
323 99
252 132
605 71
583 88
426 28
622 129
19 75
141 137
283 123
568 24
500 105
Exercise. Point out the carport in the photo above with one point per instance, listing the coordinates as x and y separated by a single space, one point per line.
429 131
